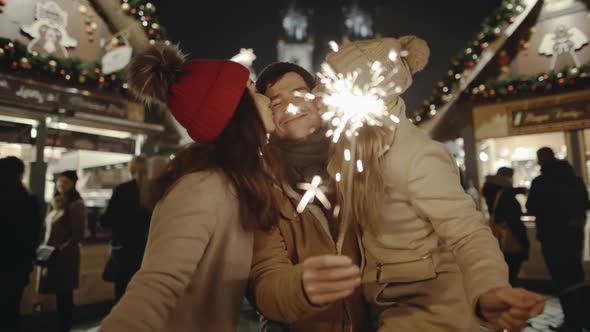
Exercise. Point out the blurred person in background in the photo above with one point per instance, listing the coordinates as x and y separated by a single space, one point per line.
128 217
500 197
64 230
157 166
558 199
21 223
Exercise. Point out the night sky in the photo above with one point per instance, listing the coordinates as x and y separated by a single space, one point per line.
218 29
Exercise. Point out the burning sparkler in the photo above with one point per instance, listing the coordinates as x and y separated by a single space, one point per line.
354 100
312 191
350 105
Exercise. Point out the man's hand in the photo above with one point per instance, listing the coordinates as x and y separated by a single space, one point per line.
509 308
329 278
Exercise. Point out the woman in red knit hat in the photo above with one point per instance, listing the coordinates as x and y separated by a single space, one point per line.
211 196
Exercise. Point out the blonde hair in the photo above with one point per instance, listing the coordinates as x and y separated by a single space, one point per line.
367 186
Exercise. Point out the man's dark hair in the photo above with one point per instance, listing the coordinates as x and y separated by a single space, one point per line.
275 71
545 155
505 171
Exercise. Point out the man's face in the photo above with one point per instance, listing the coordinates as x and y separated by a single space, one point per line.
64 185
291 124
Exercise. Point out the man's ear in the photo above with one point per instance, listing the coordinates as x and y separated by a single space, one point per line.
418 52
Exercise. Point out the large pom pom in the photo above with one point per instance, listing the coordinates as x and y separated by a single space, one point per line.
418 52
152 72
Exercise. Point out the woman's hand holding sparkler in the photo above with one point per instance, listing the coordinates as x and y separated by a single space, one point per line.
509 308
330 278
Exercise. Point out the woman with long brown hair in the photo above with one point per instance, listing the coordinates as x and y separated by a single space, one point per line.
210 197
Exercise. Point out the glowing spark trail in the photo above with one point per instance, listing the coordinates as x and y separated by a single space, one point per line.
312 191
292 109
350 105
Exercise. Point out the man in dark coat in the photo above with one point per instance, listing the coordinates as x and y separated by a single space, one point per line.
128 218
559 199
21 224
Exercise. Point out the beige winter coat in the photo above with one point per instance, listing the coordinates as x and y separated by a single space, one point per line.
196 264
433 256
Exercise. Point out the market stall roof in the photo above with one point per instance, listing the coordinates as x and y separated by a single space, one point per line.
525 49
474 58
77 76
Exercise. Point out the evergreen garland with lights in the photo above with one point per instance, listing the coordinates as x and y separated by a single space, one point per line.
15 58
145 11
566 79
469 56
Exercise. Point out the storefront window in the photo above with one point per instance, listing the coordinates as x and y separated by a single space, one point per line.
519 153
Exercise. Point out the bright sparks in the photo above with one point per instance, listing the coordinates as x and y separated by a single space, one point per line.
292 109
359 165
312 191
393 55
334 46
352 104
305 95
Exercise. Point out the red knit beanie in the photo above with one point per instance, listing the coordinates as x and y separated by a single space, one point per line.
201 94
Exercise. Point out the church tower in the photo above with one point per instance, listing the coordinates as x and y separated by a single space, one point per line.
296 44
358 23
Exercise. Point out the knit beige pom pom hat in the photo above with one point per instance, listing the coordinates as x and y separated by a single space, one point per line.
357 55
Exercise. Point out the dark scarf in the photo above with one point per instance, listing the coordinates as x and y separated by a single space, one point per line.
302 160
305 158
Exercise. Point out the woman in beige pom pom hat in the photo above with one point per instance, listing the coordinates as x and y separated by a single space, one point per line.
430 263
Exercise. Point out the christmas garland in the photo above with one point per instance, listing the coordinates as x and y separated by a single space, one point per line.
564 80
469 56
15 58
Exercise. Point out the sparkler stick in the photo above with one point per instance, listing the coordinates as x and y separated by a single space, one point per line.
352 105
347 200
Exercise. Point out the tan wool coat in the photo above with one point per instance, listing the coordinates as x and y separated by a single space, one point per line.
275 279
196 264
433 255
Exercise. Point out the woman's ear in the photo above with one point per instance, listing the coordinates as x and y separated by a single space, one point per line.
418 52
263 107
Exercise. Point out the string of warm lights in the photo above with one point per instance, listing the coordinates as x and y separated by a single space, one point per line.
469 56
565 79
145 11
